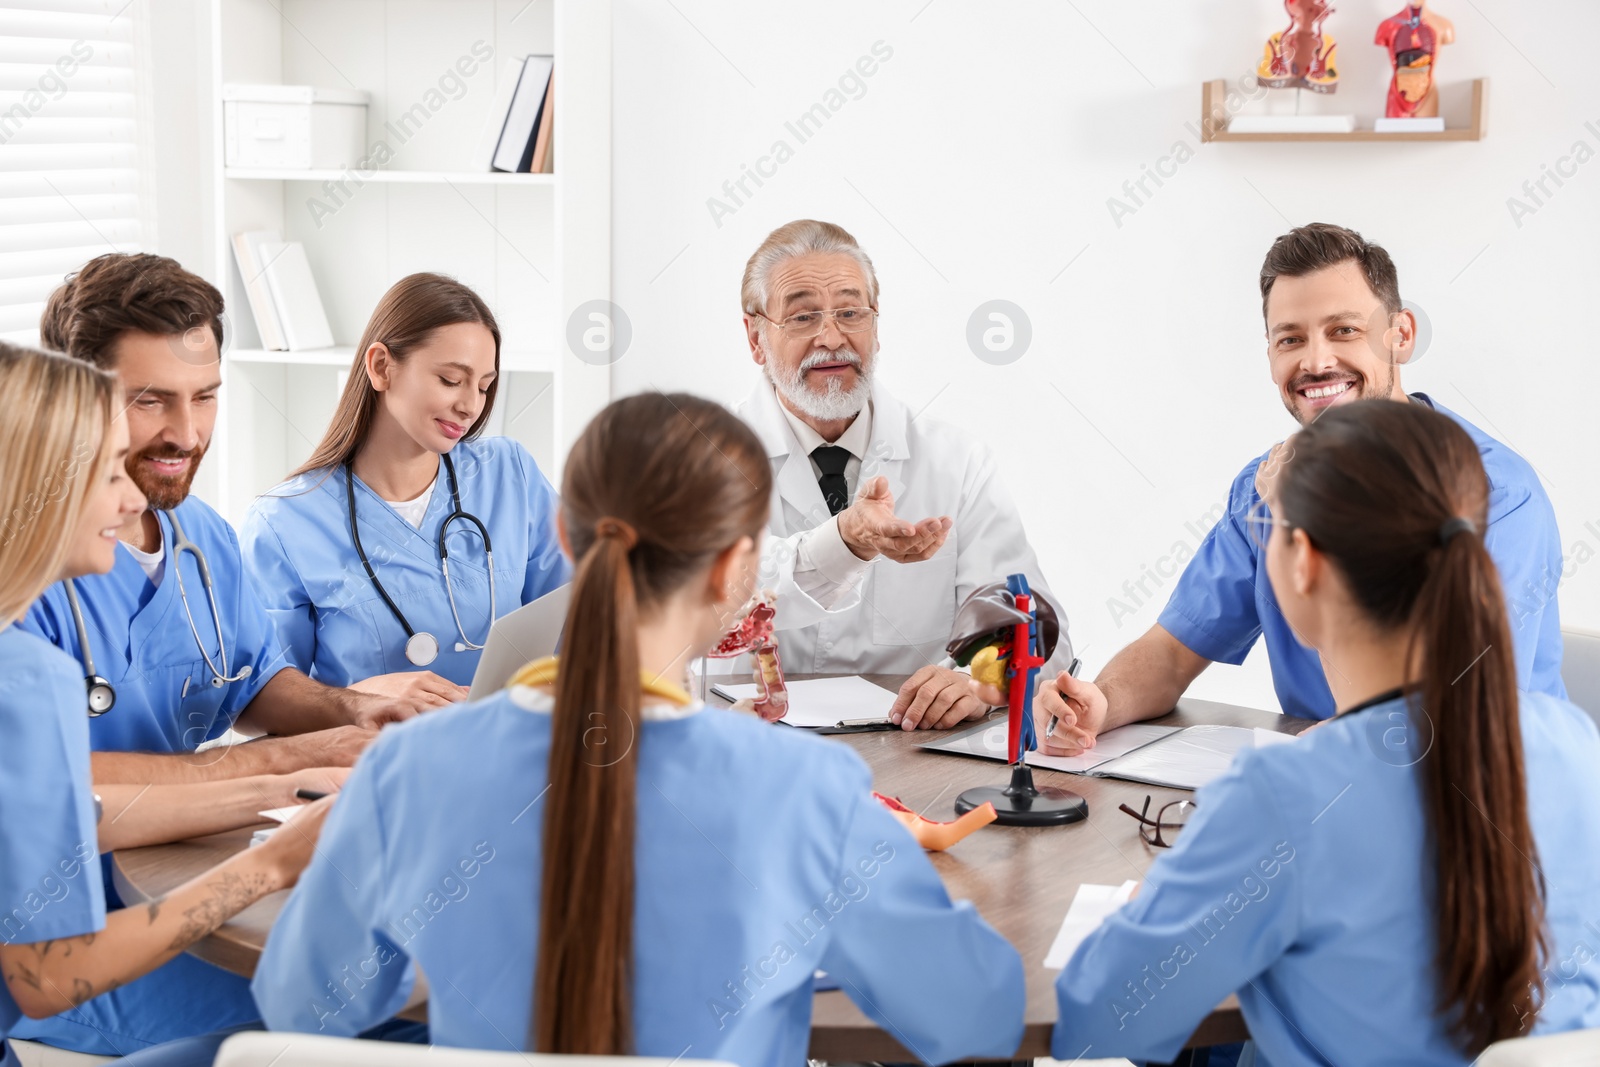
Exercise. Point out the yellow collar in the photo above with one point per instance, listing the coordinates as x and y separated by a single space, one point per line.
543 672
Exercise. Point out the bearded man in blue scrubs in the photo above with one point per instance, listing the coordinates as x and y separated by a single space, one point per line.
178 683
1336 332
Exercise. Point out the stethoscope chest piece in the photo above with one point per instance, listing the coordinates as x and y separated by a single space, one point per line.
102 697
422 649
244 672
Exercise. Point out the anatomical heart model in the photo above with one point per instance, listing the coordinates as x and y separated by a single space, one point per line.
753 633
1413 38
1301 56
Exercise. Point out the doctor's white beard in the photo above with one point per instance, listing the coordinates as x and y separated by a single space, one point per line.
836 403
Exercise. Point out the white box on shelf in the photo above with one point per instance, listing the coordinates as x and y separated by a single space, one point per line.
1433 125
293 126
1292 124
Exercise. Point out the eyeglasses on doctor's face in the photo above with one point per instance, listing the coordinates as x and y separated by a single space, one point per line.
1170 818
804 324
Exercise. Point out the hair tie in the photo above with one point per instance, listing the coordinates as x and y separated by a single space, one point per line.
609 527
1451 527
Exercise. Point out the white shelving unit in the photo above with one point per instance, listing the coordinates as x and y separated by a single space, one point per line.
535 246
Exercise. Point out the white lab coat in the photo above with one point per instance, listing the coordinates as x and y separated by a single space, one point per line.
901 616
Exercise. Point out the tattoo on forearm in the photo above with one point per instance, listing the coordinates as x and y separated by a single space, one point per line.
81 991
230 894
152 910
27 976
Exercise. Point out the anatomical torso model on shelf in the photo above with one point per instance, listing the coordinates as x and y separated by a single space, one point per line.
1413 38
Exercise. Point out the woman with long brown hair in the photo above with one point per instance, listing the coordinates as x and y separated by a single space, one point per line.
591 862
387 555
1410 881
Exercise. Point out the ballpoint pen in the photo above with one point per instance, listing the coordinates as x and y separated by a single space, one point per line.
1072 669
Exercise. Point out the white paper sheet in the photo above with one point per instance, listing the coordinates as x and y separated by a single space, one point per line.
280 814
1107 747
989 742
1187 760
1089 909
824 701
1268 738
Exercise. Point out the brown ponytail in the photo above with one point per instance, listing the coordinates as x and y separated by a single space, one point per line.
655 488
1380 487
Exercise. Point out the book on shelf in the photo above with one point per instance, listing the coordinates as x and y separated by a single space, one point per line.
252 269
525 116
539 157
294 296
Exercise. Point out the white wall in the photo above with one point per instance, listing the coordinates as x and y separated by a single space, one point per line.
977 164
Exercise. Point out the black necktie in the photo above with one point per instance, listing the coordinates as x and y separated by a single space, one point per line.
831 460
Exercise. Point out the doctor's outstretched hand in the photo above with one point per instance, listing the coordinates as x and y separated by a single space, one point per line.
413 691
1079 708
870 528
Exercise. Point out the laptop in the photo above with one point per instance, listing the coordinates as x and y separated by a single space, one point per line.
531 632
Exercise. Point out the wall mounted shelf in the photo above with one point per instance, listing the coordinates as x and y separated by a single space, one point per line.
1214 119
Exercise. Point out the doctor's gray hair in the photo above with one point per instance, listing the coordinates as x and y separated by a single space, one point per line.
799 238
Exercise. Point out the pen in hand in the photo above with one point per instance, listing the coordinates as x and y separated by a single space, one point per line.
308 794
1072 669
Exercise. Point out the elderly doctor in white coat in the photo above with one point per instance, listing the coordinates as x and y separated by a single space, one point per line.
861 590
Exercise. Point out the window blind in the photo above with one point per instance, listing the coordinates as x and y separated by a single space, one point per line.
69 148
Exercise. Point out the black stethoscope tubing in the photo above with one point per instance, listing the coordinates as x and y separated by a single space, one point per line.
457 512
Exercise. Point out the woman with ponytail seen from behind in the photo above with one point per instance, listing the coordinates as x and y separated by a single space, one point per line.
1411 881
592 863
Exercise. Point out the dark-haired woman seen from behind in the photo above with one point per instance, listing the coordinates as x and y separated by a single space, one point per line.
590 862
347 555
1411 881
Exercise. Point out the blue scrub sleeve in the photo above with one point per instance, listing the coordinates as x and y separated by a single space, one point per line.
327 967
548 567
1212 609
896 926
1212 915
49 874
255 641
1526 548
282 592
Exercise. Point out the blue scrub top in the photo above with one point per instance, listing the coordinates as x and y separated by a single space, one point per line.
747 882
49 874
1223 600
1304 883
143 644
335 626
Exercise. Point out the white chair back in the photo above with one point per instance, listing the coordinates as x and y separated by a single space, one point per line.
263 1049
1580 669
1578 1048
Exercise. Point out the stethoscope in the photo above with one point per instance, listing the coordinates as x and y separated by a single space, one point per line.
102 694
422 648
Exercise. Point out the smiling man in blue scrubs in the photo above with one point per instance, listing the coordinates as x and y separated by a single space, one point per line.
160 328
1336 332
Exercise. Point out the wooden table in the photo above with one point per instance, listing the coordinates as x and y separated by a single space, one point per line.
1021 880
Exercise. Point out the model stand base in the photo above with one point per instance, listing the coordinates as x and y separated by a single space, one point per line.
1024 804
